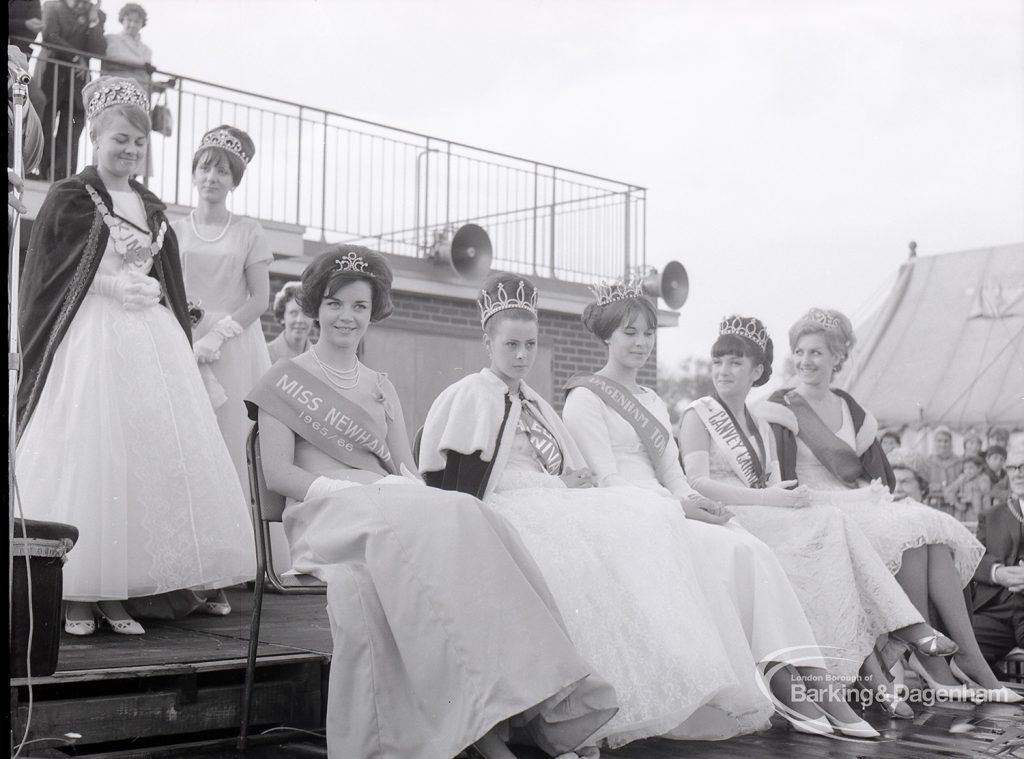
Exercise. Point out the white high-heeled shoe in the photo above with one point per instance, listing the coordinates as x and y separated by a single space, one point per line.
857 729
979 692
941 692
809 725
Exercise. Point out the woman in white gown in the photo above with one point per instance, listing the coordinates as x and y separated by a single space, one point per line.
828 442
617 558
443 628
117 435
225 261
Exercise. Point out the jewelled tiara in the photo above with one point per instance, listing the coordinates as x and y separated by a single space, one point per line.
490 306
352 261
223 139
748 328
608 292
119 92
830 323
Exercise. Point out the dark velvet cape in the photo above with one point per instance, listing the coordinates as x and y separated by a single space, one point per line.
468 473
65 249
873 460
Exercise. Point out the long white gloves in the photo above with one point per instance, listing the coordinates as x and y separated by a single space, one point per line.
207 348
132 290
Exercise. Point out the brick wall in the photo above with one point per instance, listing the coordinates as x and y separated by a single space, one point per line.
575 350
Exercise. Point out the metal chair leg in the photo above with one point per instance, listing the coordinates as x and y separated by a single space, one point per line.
250 664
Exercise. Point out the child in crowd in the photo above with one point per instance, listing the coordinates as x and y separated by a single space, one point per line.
995 458
969 492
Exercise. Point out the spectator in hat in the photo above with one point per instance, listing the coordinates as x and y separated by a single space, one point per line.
995 459
890 441
973 444
911 473
998 590
999 436
296 326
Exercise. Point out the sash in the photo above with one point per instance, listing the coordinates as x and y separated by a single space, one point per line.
619 399
320 415
544 443
730 439
839 458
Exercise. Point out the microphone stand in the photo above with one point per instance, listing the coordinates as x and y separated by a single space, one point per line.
19 96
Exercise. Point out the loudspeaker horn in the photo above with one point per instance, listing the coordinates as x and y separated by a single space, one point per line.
672 285
468 253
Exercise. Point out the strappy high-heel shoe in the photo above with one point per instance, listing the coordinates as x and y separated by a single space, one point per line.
958 692
889 697
935 644
80 627
979 692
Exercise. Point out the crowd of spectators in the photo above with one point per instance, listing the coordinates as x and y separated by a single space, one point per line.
72 34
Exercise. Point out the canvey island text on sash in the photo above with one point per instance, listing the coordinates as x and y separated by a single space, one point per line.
332 418
721 423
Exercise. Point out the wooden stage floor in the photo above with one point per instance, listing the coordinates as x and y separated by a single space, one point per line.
179 686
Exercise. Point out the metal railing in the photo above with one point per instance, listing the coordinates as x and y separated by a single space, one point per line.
347 179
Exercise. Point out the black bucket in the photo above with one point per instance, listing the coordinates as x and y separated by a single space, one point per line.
45 545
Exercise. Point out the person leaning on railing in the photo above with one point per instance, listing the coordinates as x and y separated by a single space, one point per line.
78 25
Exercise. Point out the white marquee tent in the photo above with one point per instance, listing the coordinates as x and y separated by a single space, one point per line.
946 346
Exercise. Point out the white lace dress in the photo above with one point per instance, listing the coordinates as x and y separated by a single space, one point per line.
893 527
634 604
124 445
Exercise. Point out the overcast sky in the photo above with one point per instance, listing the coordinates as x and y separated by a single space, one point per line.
791 148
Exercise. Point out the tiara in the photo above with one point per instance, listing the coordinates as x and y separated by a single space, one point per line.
223 139
352 261
118 92
749 328
830 323
490 306
607 292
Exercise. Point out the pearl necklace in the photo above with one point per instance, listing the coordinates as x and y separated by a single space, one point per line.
343 379
192 221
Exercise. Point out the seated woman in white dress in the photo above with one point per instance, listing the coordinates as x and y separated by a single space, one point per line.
443 628
623 431
616 558
827 441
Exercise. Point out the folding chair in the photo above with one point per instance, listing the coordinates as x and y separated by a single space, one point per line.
267 507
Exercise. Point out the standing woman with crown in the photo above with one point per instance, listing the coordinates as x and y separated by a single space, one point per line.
225 262
115 434
827 441
633 601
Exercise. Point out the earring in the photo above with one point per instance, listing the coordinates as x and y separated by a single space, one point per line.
607 342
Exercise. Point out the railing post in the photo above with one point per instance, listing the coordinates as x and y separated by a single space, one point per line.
551 252
536 199
298 175
177 143
626 261
448 187
425 245
323 187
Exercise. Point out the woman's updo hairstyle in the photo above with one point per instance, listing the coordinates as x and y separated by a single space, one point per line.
339 265
741 336
603 320
503 288
115 96
230 143
289 291
132 8
833 325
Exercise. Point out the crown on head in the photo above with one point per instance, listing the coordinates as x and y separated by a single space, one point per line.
223 139
117 92
622 289
746 327
352 261
501 301
830 323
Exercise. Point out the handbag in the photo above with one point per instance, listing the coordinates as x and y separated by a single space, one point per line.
162 118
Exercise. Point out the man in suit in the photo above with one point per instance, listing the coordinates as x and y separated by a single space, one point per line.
999 579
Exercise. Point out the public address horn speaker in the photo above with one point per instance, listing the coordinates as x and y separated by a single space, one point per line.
672 285
468 253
